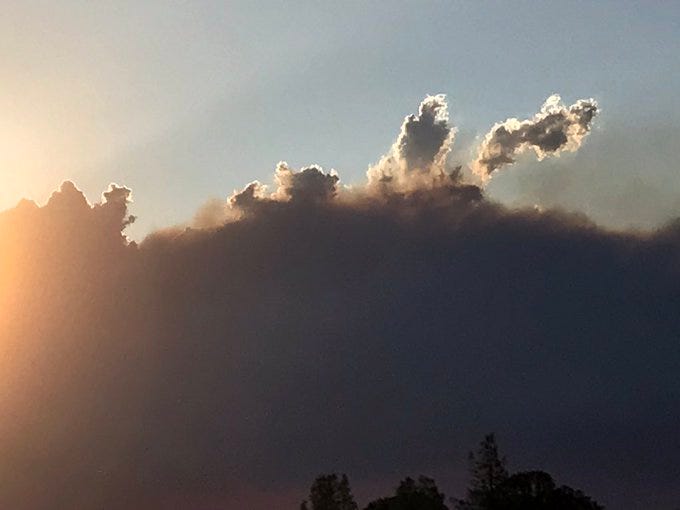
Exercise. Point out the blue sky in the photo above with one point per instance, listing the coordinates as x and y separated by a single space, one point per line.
183 101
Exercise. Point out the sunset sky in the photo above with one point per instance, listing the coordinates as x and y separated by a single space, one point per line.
183 101
266 241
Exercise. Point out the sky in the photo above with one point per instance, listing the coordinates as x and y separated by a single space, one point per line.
184 101
493 259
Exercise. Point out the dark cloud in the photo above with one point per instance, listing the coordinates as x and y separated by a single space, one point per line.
114 207
374 334
423 136
67 201
307 186
555 128
246 199
310 184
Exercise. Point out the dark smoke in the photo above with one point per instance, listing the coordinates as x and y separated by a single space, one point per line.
316 329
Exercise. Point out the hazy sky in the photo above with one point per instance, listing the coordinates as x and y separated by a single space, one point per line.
182 101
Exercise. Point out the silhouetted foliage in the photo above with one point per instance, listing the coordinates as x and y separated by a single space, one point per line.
536 490
530 489
330 492
491 488
566 498
412 495
488 472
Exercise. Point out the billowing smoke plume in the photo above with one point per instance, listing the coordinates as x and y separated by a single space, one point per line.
554 129
418 157
313 329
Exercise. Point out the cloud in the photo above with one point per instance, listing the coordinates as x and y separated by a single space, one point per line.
620 179
317 328
68 200
310 184
555 128
247 198
418 157
424 137
113 209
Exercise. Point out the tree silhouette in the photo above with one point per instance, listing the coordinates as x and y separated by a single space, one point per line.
412 495
491 488
536 490
531 489
488 472
328 492
566 498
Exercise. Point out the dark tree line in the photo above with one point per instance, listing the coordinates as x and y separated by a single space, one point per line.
410 495
491 487
330 492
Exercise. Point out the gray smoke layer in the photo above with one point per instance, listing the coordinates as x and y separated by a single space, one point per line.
555 128
311 332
